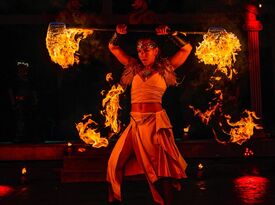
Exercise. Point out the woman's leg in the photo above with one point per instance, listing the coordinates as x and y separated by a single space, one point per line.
165 187
125 154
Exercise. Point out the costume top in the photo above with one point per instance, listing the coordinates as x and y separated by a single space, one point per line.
152 89
149 90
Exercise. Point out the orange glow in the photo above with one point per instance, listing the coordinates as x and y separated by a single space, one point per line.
251 189
248 152
111 106
243 129
186 129
207 115
200 166
24 171
90 135
81 149
63 43
109 77
219 48
5 190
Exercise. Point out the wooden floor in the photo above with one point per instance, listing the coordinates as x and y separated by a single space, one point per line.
261 147
226 176
225 181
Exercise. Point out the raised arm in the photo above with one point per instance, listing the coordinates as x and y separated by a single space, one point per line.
184 47
121 56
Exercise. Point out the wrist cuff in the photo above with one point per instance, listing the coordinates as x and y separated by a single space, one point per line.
178 41
115 39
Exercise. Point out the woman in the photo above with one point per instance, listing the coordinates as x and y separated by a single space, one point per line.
147 145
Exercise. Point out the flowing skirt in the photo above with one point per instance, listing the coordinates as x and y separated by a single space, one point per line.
147 147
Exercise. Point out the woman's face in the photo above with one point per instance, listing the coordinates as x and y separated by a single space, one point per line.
147 53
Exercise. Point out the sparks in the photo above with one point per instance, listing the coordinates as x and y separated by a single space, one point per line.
210 112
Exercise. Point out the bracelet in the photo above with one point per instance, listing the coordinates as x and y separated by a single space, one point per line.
178 41
115 39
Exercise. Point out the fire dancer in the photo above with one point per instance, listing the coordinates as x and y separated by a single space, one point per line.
147 145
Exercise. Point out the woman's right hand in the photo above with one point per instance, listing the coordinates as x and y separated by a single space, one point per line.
121 29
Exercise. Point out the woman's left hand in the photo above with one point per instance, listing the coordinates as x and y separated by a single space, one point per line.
162 30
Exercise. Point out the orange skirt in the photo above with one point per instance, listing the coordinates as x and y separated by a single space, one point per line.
147 147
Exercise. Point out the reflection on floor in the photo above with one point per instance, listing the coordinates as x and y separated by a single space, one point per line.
224 181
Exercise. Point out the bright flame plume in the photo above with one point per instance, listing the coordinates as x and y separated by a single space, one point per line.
89 135
63 44
111 106
242 130
219 48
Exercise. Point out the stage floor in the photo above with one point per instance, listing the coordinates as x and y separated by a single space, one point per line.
223 181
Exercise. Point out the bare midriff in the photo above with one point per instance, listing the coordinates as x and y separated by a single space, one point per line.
146 107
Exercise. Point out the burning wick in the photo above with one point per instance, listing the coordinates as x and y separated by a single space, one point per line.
69 148
185 132
200 166
200 170
186 129
23 178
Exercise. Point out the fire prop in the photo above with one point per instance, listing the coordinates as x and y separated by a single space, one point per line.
90 135
63 43
219 48
242 130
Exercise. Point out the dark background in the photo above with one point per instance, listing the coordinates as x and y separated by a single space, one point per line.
65 95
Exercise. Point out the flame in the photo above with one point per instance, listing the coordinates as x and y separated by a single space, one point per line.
89 135
24 171
243 129
186 129
219 48
109 77
200 166
207 115
62 43
111 106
